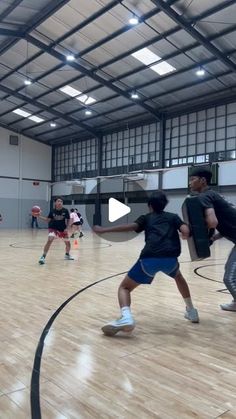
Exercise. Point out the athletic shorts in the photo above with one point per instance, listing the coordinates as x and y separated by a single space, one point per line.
59 234
144 270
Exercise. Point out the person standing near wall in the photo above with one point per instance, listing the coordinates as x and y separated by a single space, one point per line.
34 221
221 215
0 218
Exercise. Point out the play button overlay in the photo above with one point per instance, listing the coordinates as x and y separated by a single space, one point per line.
110 202
117 210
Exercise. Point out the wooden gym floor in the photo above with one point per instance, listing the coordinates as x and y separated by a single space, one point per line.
168 368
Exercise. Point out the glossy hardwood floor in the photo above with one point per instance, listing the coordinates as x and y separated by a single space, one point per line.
167 368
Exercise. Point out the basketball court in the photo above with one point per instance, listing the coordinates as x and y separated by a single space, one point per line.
102 104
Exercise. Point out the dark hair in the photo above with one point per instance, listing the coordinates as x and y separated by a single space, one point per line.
158 201
58 197
202 172
72 210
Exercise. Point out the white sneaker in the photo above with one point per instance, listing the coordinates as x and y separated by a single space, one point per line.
192 315
68 257
229 307
42 260
121 325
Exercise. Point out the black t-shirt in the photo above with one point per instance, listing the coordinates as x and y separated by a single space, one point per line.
225 212
161 234
58 218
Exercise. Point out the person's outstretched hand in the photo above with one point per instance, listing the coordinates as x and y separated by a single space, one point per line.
98 229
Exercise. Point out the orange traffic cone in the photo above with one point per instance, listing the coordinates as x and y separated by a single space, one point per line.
76 244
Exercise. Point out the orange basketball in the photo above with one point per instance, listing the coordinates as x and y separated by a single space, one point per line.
36 209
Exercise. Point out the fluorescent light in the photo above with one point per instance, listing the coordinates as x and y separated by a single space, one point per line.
162 68
70 91
27 82
200 72
146 56
88 112
133 20
134 95
21 112
70 57
53 124
36 119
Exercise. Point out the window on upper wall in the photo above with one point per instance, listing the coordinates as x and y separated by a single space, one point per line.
133 149
211 131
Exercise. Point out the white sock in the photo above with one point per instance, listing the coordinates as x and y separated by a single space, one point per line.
126 312
188 303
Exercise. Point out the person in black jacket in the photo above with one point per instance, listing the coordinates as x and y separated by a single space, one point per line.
219 214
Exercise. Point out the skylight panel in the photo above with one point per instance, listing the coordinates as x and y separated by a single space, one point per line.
82 98
36 119
90 100
21 112
87 100
70 91
162 68
146 56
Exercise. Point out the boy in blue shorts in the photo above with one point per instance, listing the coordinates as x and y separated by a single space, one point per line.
160 253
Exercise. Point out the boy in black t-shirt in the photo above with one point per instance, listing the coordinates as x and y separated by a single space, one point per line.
219 214
160 253
58 221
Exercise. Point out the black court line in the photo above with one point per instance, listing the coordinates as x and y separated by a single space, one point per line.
207 266
35 377
224 290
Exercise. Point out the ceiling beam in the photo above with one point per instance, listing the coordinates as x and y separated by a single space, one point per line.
183 22
11 33
91 74
143 85
47 109
10 9
44 14
203 15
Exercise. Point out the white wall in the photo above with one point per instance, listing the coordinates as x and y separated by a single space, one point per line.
20 166
227 173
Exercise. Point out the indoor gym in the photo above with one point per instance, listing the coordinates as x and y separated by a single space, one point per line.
114 99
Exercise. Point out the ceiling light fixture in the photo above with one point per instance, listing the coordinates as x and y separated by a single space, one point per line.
134 95
200 72
133 20
88 112
27 82
70 57
53 124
